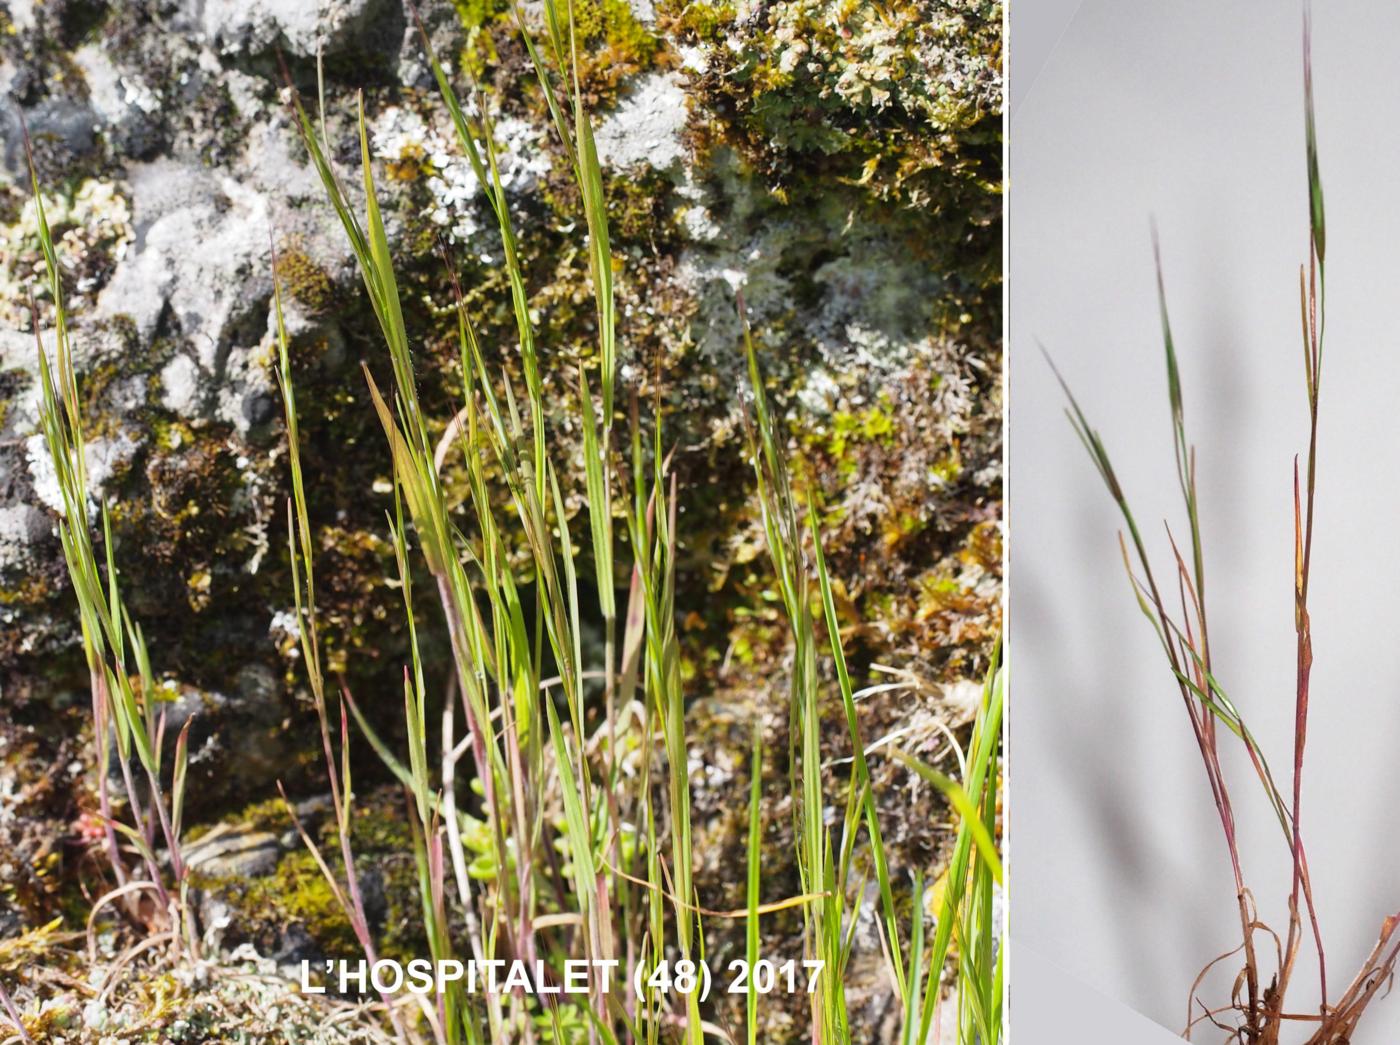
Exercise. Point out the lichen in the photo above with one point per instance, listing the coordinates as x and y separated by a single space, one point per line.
897 106
91 225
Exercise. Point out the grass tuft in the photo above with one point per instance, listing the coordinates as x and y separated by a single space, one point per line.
548 795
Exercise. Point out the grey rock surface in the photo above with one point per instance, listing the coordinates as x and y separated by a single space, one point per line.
239 851
304 28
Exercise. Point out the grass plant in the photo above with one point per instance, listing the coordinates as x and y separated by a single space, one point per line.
1257 1012
586 848
128 712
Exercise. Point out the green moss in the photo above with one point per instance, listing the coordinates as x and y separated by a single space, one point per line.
304 280
168 433
27 591
849 430
705 21
11 381
639 208
477 17
949 467
268 815
297 893
899 527
895 108
355 564
616 45
299 890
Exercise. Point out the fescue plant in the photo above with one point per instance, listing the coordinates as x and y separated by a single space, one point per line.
967 911
1257 1011
567 833
128 714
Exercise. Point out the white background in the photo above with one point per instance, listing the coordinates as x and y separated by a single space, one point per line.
1192 113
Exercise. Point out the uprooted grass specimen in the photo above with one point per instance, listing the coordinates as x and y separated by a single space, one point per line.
1257 1012
576 840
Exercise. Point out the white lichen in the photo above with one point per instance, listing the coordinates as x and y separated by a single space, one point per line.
412 147
92 228
645 129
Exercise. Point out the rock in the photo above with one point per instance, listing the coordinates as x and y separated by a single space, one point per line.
234 852
646 127
124 105
854 209
22 14
214 297
103 457
180 386
236 746
22 527
294 946
301 27
62 124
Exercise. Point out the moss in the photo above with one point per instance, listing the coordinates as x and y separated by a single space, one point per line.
11 381
304 280
616 45
298 890
895 108
11 202
28 590
849 429
268 815
477 18
905 484
705 22
296 894
410 164
353 565
640 209
168 433
222 122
